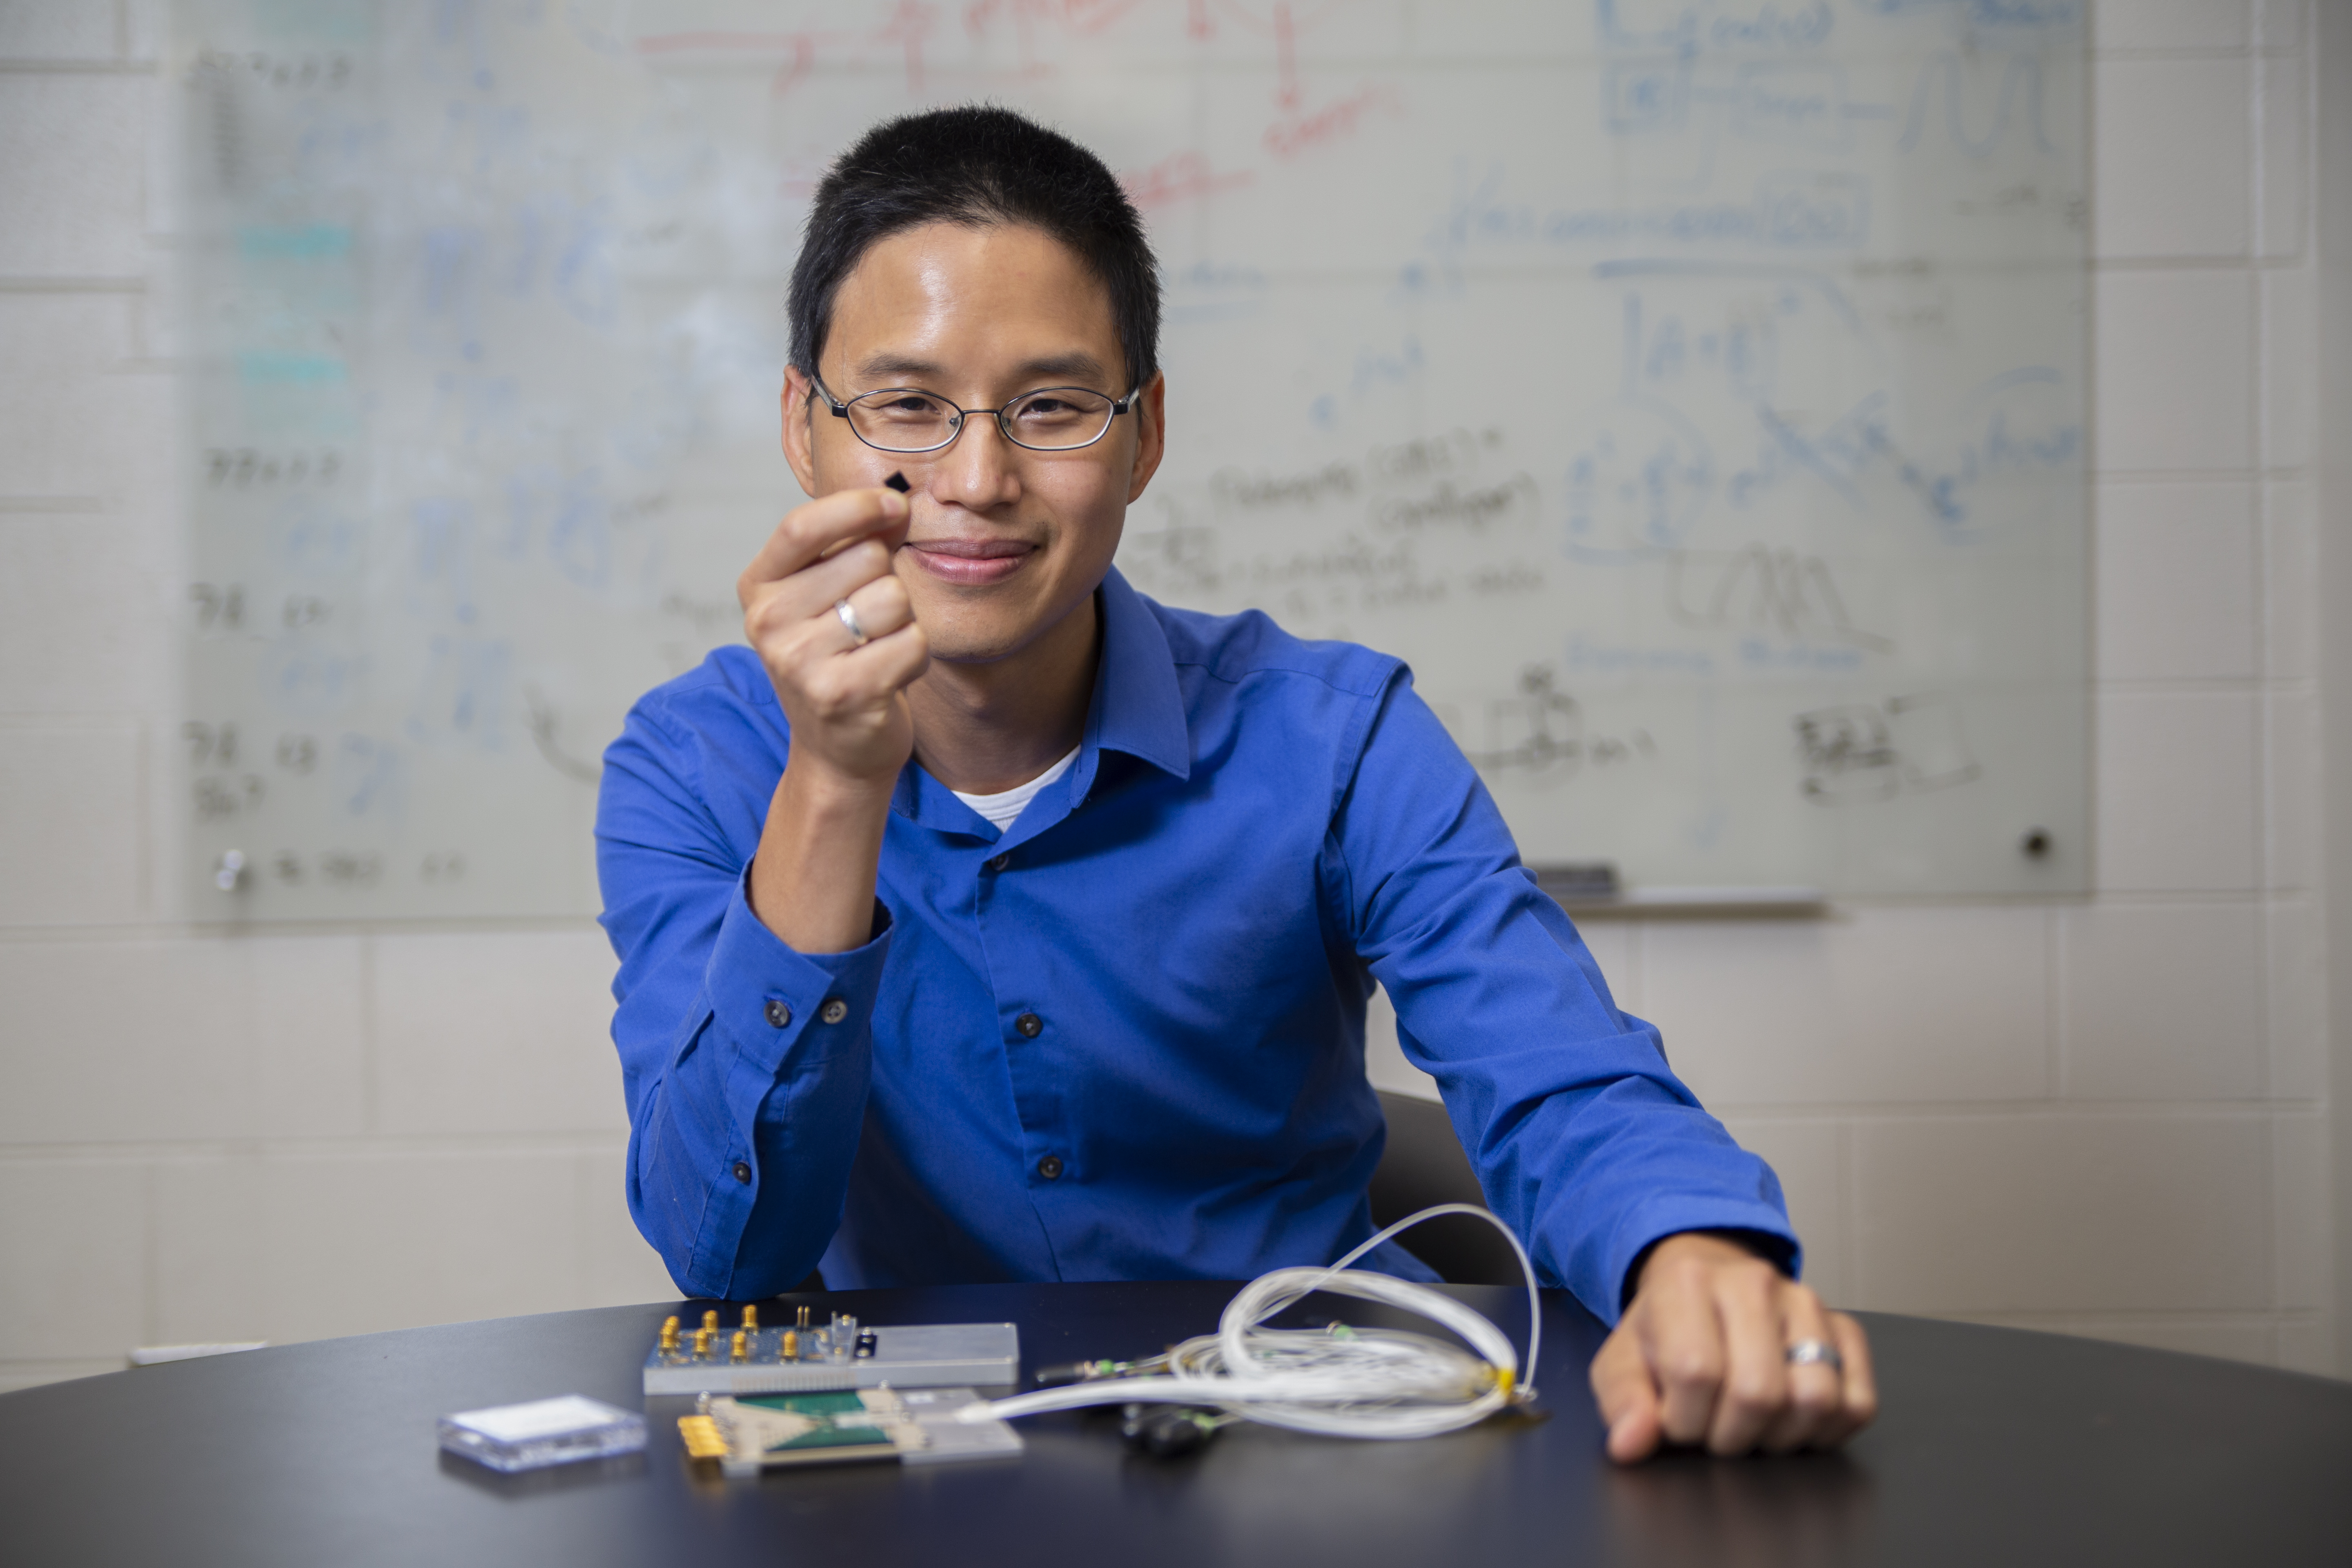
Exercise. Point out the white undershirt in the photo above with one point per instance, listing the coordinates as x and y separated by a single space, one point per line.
1003 809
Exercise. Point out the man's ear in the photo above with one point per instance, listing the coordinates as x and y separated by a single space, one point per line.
799 409
1152 435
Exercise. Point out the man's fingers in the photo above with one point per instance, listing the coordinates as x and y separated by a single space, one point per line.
881 608
1859 1406
1714 1325
783 609
1749 1305
808 532
1816 1390
1684 1341
814 587
887 665
1628 1397
854 685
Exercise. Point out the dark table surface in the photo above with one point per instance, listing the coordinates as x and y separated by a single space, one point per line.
1995 1446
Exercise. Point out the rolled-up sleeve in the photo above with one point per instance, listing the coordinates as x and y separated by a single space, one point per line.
745 1062
1584 1141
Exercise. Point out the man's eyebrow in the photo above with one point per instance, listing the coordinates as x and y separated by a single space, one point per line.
885 365
1075 366
1078 365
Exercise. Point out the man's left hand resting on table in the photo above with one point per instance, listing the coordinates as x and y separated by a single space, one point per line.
1702 1356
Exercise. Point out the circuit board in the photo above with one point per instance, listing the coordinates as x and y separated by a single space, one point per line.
919 1426
803 1357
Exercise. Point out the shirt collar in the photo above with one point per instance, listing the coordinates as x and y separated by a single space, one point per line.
1136 707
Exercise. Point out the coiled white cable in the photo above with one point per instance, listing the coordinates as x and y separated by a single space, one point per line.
1347 1382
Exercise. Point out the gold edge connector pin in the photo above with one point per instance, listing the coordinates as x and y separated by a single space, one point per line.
802 1322
701 1437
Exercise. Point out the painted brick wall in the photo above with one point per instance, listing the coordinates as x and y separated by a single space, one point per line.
2102 1117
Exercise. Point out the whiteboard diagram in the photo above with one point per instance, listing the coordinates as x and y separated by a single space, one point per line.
1692 391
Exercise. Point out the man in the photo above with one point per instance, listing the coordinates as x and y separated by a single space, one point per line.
983 920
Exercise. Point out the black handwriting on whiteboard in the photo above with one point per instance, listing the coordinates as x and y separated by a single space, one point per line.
213 743
218 606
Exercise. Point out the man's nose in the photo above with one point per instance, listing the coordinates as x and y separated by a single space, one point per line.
979 472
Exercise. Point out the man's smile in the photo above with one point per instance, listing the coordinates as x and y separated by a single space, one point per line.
971 562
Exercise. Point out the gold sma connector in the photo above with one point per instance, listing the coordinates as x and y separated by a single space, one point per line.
751 1320
670 1336
742 1348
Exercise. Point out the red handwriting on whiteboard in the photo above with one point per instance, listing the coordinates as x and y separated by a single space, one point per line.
1289 137
1280 21
908 26
1179 177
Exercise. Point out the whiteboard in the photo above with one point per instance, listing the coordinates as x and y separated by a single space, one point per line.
1693 393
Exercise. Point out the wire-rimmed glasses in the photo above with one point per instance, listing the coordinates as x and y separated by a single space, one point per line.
909 419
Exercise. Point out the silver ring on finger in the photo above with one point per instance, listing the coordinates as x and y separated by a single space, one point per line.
847 615
1816 1352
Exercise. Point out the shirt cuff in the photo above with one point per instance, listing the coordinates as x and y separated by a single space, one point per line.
776 1002
1764 1227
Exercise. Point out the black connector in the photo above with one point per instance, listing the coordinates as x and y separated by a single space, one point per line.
1167 1431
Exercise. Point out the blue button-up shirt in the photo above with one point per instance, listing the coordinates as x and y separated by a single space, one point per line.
1124 1038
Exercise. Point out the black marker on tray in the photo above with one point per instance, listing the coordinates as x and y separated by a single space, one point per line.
898 481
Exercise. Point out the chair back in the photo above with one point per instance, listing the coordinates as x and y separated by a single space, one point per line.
1423 1164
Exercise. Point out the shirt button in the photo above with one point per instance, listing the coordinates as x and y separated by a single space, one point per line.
742 1172
778 1013
833 1011
1050 1167
1030 1025
998 862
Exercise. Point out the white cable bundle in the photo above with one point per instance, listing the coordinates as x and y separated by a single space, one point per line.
1355 1382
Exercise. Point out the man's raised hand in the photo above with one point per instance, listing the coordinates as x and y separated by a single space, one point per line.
847 701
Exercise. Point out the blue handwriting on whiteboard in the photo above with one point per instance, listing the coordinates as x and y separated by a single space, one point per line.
1602 659
1786 212
1765 27
2010 13
2021 99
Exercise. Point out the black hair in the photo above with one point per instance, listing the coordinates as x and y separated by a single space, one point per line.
978 166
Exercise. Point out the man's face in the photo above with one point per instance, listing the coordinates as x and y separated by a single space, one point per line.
1003 542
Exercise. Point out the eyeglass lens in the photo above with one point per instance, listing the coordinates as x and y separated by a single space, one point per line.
1053 419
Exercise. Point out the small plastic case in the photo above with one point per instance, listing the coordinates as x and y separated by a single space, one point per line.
544 1432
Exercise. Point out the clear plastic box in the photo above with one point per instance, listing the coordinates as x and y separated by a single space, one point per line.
544 1432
